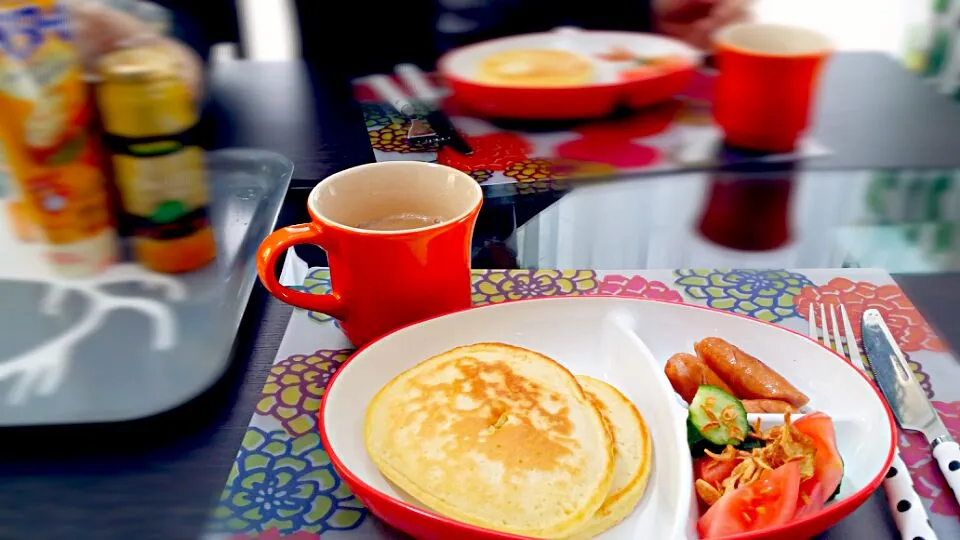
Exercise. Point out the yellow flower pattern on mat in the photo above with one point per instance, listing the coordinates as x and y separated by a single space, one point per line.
529 171
543 186
493 286
481 175
393 138
540 169
294 388
540 175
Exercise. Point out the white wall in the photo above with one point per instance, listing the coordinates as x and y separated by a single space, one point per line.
269 29
883 25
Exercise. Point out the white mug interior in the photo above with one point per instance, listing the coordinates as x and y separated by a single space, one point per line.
774 39
371 192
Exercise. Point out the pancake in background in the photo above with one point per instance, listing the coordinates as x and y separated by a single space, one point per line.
633 456
496 436
540 68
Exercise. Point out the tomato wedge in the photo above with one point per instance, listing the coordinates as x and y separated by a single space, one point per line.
768 502
828 466
638 73
711 470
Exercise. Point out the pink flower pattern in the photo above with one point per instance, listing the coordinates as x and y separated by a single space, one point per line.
905 322
637 286
927 477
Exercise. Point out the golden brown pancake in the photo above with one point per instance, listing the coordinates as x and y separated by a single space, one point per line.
634 455
494 435
542 68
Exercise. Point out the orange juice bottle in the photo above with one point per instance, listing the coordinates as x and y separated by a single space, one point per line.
148 115
19 217
44 123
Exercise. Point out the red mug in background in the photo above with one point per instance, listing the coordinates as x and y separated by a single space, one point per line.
767 78
397 237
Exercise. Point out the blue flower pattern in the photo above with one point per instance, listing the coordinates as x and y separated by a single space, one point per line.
764 294
286 483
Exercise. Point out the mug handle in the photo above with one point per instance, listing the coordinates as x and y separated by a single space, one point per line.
270 250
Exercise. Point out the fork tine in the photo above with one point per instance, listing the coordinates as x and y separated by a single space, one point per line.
811 323
825 328
851 340
836 331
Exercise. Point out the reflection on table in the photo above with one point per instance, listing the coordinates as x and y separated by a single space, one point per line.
901 221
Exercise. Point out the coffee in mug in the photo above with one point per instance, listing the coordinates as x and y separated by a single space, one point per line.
397 237
400 221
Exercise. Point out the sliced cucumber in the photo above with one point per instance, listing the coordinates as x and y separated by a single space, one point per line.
718 417
697 443
693 436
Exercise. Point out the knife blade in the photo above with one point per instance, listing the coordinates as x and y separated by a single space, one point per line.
906 397
444 128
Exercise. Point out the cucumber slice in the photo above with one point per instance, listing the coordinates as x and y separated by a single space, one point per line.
719 417
693 436
697 443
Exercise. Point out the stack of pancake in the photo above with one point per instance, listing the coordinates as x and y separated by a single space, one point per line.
507 439
536 68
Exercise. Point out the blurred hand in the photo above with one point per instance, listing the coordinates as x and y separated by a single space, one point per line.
100 30
695 21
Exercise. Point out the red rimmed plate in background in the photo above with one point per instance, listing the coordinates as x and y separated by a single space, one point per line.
630 69
625 342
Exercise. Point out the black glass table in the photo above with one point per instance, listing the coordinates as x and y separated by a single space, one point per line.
683 228
160 478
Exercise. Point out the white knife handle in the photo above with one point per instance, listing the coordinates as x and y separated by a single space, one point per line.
905 505
418 83
947 455
386 90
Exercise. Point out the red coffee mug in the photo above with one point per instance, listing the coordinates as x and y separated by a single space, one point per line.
765 88
384 279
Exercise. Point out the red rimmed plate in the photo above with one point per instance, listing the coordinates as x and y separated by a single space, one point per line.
626 342
632 69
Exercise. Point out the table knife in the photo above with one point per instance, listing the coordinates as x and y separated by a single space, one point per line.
419 132
414 78
906 398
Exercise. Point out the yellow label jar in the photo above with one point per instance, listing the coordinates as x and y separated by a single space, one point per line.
148 117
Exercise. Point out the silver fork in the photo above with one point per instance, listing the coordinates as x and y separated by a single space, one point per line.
905 505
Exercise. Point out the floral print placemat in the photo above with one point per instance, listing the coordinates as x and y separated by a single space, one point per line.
283 487
526 157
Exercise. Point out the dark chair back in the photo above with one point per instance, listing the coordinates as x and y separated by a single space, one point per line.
359 37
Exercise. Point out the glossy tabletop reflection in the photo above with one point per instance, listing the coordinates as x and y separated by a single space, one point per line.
903 221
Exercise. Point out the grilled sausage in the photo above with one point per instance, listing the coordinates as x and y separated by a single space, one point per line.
767 406
687 372
747 376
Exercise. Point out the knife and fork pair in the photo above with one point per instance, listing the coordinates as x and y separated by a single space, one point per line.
909 404
438 127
